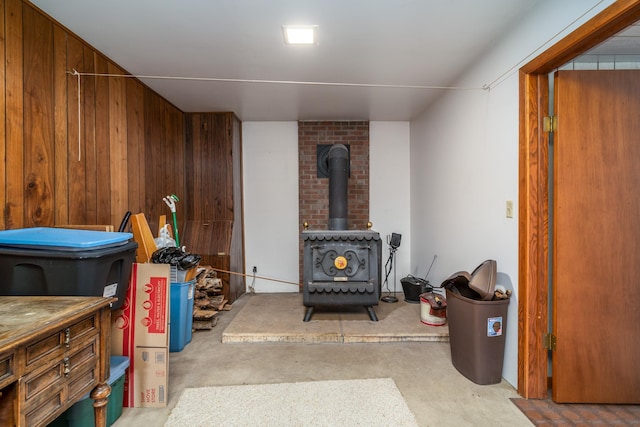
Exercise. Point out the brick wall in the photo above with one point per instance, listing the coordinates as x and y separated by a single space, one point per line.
314 191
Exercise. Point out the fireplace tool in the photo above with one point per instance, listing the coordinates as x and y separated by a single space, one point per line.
394 244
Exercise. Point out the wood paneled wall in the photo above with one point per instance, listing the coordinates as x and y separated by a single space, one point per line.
119 147
214 216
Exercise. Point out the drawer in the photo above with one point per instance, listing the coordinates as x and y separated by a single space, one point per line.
75 362
41 381
7 370
83 369
45 410
54 345
83 382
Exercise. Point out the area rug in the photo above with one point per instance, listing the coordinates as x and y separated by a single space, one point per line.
548 413
368 402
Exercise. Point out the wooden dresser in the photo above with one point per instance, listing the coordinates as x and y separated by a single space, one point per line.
53 351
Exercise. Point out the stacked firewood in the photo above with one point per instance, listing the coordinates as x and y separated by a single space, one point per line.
208 299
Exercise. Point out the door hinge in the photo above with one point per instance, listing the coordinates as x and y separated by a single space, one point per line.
549 341
549 123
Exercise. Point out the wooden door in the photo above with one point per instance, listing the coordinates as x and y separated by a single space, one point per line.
596 244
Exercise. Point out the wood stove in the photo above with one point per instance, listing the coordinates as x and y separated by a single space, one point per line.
341 267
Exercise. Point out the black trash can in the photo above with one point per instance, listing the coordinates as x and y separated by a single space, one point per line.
477 331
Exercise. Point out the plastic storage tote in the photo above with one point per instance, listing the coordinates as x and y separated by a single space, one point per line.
477 331
181 317
56 261
81 413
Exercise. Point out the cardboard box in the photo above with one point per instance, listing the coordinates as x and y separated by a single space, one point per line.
150 377
140 330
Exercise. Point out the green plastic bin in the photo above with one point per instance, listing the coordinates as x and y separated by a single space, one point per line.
81 413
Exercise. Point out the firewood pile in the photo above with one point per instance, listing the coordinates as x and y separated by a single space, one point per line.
208 299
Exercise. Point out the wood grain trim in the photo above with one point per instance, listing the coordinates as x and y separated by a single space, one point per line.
533 246
610 21
533 204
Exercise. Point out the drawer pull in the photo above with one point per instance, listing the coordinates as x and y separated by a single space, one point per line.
67 337
67 369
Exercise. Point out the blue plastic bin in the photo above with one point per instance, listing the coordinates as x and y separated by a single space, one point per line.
181 318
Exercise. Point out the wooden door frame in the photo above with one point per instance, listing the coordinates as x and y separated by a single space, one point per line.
533 219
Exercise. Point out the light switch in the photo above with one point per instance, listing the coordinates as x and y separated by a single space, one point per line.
509 208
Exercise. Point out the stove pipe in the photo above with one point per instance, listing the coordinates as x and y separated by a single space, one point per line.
338 159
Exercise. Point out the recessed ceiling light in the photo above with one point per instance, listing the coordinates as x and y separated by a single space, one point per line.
300 34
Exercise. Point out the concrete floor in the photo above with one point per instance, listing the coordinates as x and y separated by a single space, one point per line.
435 391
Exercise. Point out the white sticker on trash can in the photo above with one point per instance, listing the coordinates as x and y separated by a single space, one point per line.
494 326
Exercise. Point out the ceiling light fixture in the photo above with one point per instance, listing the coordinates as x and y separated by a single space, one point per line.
300 34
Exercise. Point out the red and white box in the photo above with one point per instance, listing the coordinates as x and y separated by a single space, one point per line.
140 330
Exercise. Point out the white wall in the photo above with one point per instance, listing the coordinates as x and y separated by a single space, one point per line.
389 193
270 156
464 160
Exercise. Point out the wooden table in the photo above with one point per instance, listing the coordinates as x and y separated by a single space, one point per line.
53 351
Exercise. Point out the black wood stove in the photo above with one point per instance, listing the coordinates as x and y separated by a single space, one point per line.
341 267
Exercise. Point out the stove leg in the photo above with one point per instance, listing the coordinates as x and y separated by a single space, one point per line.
372 314
308 314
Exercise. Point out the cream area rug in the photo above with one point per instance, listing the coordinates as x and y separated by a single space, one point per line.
367 402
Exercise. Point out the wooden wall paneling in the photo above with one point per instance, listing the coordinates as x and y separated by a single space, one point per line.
196 143
152 163
61 177
38 119
223 169
135 146
177 126
13 211
212 240
237 285
164 157
200 166
209 163
89 153
190 134
75 142
3 180
214 226
174 158
102 144
118 144
179 137
203 165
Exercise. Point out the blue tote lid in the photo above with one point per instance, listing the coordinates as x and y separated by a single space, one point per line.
61 238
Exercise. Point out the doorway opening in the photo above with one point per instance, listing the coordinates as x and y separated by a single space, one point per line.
534 189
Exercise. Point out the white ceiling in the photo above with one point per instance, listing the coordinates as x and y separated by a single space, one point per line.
371 53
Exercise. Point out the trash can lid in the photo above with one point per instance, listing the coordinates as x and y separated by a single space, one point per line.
61 238
483 279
